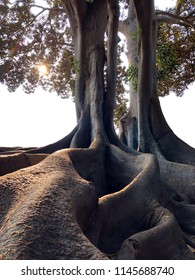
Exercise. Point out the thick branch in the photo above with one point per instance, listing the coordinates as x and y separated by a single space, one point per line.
47 8
171 18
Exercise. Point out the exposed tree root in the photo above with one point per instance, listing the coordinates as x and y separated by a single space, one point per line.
156 242
43 209
156 136
172 147
94 196
12 162
176 150
90 203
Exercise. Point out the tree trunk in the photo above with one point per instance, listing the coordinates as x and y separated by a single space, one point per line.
145 15
154 134
128 124
98 199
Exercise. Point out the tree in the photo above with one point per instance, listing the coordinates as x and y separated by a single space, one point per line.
33 37
27 26
170 69
95 197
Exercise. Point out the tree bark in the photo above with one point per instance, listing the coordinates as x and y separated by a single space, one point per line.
98 199
90 56
49 211
128 124
154 134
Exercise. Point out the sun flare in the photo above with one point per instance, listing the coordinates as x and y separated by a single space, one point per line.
42 69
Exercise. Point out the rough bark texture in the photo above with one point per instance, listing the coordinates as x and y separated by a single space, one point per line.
52 211
91 196
128 124
41 212
146 127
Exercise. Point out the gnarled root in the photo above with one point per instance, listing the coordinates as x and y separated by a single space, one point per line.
12 162
124 213
43 211
87 203
163 241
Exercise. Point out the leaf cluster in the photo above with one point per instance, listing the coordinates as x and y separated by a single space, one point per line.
31 35
132 75
121 94
175 59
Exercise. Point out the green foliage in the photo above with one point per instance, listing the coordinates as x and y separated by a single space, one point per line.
121 95
166 60
135 35
175 59
30 36
132 75
175 51
76 68
121 107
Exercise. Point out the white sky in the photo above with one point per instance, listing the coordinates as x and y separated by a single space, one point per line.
162 4
180 114
42 118
34 119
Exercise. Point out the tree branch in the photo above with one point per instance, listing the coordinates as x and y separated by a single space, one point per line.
178 7
168 17
47 8
78 7
172 21
192 14
43 9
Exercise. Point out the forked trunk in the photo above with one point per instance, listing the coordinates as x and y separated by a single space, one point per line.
98 198
152 134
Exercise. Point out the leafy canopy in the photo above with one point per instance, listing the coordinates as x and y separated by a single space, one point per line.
32 35
175 49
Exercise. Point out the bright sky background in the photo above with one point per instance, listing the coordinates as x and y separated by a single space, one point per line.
34 119
42 118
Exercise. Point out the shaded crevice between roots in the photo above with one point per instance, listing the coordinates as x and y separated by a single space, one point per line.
161 242
122 213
